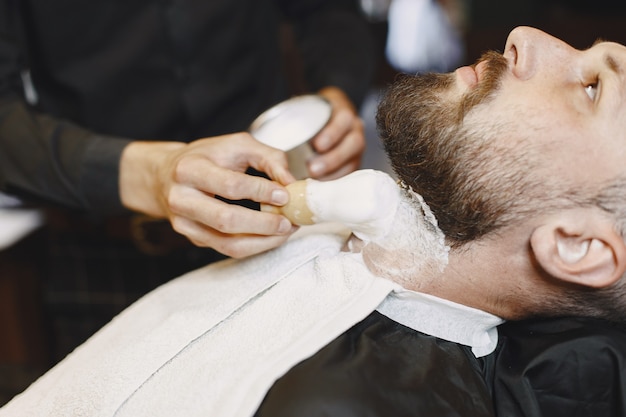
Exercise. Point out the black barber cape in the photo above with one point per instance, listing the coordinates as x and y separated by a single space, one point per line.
565 367
382 368
569 367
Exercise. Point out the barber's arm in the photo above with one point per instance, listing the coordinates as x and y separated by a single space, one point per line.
62 163
179 182
44 157
337 51
54 160
57 161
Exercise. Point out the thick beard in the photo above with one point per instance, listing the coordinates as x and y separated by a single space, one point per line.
421 124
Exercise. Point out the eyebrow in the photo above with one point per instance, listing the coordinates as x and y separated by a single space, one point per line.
609 60
613 64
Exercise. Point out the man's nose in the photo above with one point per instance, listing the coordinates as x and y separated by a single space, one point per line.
530 50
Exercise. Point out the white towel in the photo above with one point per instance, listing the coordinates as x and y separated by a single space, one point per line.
17 223
212 342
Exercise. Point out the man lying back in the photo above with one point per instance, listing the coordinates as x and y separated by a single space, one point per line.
520 158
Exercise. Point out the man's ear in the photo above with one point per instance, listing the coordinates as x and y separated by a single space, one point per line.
580 246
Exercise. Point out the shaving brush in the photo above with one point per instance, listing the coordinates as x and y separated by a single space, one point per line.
398 232
365 201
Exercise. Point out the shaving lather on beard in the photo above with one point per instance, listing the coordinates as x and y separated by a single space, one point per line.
392 226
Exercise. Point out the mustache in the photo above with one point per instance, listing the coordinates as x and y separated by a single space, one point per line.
495 68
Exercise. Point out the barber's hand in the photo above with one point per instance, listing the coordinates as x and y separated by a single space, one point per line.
341 143
179 182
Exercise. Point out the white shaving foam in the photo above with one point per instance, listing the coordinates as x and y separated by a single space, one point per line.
413 243
400 233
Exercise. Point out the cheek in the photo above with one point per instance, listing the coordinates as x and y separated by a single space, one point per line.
506 120
528 110
566 144
609 136
582 157
599 141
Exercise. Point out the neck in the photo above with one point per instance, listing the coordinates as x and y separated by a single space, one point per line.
491 275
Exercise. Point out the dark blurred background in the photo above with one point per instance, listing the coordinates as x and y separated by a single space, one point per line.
578 22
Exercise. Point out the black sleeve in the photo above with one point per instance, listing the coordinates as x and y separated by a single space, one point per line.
44 157
561 368
335 44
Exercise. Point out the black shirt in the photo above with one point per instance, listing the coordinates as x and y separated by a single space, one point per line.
107 71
